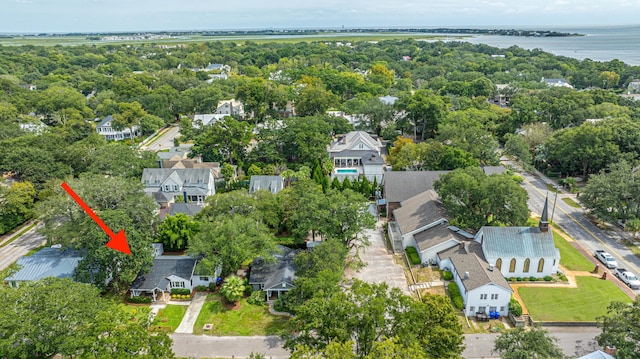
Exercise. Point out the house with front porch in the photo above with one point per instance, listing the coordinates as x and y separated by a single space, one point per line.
47 262
105 128
274 278
192 185
357 154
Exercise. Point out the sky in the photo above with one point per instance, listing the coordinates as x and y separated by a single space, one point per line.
44 16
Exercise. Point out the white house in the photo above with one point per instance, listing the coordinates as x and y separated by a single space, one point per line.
357 154
106 129
206 119
557 83
194 185
482 287
521 251
230 108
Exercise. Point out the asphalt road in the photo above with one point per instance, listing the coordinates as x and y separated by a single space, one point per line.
165 141
573 221
21 246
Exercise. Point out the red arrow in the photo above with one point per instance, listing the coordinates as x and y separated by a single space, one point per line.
118 241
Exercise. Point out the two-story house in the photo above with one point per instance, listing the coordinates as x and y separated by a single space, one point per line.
105 128
357 154
191 185
230 108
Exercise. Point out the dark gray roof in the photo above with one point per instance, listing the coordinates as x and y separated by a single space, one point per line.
489 170
272 184
419 211
470 259
510 242
104 120
435 235
402 185
162 268
270 274
189 209
47 262
184 175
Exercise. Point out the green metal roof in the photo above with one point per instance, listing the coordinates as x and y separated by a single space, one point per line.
524 242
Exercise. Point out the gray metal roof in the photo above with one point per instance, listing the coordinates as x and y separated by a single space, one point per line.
273 184
419 211
350 140
104 121
470 259
47 262
189 176
509 242
189 209
283 270
598 354
402 185
162 268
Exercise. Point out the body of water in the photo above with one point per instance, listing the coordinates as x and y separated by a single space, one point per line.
598 44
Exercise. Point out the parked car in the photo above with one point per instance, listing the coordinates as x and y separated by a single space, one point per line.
627 278
606 258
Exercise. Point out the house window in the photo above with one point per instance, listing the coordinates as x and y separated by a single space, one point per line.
499 263
483 296
471 309
482 309
494 296
526 265
493 309
205 279
540 265
175 187
512 265
502 309
177 284
166 188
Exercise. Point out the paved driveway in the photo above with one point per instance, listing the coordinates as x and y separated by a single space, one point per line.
189 319
380 265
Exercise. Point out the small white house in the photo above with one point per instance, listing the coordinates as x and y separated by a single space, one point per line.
105 128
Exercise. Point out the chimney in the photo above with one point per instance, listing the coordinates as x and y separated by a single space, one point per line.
159 163
184 195
490 267
463 247
466 276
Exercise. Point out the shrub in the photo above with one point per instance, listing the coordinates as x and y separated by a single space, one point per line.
257 298
525 279
519 279
201 288
412 253
247 288
547 278
139 300
180 291
212 286
563 278
515 308
446 275
533 279
456 298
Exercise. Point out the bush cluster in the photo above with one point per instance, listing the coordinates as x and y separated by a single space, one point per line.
180 296
201 288
180 291
548 278
257 298
447 275
139 300
515 308
412 253
456 298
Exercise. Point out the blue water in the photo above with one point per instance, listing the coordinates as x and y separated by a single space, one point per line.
342 171
599 44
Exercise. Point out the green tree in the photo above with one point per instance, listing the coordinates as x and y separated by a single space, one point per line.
226 140
521 343
175 232
314 100
232 289
620 329
122 204
128 116
425 110
254 170
16 205
613 194
56 316
118 159
516 146
474 199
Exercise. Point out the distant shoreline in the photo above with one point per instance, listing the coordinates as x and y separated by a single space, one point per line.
96 36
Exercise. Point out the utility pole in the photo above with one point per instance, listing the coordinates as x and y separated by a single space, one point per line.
554 203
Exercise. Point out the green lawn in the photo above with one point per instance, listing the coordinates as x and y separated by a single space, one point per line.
247 320
570 257
585 303
171 316
571 202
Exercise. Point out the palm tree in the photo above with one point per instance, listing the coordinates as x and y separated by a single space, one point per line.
233 289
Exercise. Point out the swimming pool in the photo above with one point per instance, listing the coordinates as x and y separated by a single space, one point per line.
343 171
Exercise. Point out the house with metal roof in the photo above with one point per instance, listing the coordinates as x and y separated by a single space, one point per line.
357 154
105 128
521 251
273 184
482 286
274 277
193 185
598 354
47 262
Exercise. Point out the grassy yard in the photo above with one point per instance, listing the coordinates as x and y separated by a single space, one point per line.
171 315
571 202
585 303
570 257
247 320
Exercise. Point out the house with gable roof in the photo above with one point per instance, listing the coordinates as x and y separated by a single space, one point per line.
194 185
357 154
521 251
105 128
47 262
273 184
274 278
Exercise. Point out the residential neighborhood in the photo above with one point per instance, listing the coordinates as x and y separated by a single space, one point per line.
281 199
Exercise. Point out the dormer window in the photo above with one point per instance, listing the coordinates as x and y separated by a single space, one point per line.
166 188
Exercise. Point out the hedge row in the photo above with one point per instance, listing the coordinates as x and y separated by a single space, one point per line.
515 308
456 298
180 291
530 279
180 296
412 253
139 300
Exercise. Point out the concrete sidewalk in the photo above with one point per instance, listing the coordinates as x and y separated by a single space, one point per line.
189 320
204 346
